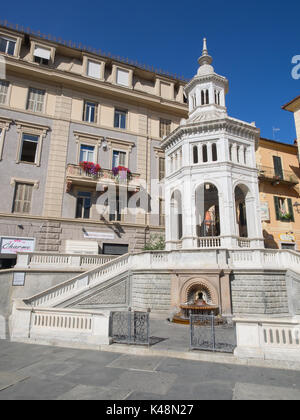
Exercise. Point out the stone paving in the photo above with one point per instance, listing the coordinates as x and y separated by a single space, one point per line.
34 372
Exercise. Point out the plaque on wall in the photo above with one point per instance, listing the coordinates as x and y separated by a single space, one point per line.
19 279
265 211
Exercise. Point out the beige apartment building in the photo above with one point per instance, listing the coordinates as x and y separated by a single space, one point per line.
278 173
61 105
294 107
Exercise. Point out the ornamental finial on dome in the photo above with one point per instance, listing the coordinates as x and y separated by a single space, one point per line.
204 51
205 61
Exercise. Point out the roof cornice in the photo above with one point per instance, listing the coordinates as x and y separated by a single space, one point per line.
293 105
206 78
229 125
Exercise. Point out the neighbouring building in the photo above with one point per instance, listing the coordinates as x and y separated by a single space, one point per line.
279 174
60 106
294 106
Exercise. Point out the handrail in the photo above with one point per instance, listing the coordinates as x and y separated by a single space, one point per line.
269 173
77 283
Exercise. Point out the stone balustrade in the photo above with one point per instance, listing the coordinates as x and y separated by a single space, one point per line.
58 325
90 278
44 260
277 339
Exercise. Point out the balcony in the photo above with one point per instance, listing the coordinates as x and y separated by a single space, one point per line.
266 173
76 175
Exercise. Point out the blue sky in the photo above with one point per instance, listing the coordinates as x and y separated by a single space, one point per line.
252 44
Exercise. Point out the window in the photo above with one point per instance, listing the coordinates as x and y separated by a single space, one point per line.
35 101
284 209
87 153
195 154
22 198
217 97
194 99
29 148
120 119
42 55
90 112
94 69
238 154
83 205
165 128
122 77
204 97
214 152
161 212
7 45
161 168
3 91
204 153
278 167
115 209
119 159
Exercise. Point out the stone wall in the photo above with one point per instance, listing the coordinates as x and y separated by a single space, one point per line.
293 287
259 292
35 282
150 289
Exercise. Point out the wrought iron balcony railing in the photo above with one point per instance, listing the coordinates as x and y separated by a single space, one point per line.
77 175
269 174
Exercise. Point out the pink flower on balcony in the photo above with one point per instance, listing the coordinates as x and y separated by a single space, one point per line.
90 168
121 172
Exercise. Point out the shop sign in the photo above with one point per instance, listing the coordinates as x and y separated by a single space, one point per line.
15 245
287 237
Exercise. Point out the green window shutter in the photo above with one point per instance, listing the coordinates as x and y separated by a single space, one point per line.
276 201
278 167
291 210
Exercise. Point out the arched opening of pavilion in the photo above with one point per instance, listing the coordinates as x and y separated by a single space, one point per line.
207 211
242 205
176 216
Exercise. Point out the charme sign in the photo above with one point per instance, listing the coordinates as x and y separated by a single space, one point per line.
15 245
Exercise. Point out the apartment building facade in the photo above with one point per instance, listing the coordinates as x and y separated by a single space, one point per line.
279 174
77 128
294 107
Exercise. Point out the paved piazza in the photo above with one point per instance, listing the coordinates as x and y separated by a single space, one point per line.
33 372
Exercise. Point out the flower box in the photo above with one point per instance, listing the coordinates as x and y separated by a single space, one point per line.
90 168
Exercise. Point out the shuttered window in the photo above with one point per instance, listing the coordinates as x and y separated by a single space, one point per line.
161 212
277 208
278 167
94 69
3 91
165 128
161 168
36 99
122 77
23 197
284 209
291 210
